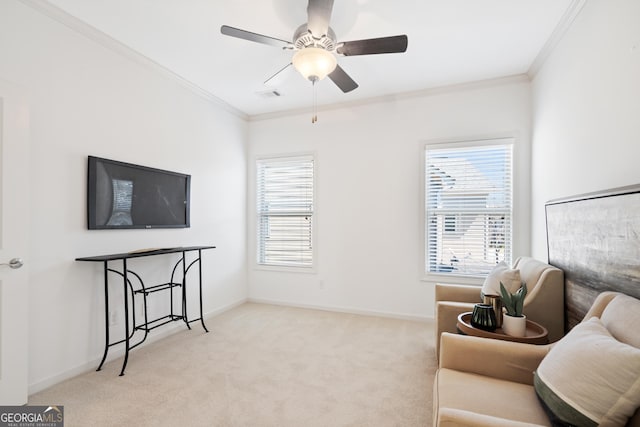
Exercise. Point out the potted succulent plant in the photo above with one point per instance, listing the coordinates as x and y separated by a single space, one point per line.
514 323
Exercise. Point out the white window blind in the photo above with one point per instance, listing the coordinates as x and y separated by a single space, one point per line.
468 206
285 211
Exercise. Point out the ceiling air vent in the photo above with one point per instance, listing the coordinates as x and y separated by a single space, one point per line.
271 93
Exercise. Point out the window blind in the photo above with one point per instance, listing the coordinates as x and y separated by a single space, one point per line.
468 206
285 211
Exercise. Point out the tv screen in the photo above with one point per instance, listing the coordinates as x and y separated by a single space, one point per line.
123 195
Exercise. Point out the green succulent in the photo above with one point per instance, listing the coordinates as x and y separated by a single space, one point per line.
513 303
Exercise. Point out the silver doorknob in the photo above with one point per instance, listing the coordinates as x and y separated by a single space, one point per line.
14 263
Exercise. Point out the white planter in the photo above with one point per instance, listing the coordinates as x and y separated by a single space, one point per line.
514 326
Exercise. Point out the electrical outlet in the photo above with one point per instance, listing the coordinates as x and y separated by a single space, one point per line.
113 318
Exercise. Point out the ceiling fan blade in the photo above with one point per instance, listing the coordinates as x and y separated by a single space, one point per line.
277 76
393 44
254 37
342 80
318 16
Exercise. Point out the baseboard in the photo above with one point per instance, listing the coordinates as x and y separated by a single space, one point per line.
119 352
349 310
225 308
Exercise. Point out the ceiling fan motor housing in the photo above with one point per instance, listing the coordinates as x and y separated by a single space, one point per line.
303 38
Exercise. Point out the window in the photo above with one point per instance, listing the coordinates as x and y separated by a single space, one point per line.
285 211
468 206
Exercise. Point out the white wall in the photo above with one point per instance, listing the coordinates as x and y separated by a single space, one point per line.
369 183
86 99
586 110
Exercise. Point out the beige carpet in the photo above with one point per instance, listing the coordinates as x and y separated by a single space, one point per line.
264 365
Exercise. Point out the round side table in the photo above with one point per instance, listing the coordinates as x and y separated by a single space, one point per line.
536 333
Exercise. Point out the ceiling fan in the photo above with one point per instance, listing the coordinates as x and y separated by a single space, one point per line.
316 46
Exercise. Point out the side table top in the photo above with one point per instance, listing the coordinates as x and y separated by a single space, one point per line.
536 333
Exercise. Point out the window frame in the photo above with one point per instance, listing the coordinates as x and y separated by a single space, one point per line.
461 143
314 224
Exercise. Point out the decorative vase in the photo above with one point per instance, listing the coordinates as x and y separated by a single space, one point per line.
483 317
495 302
514 326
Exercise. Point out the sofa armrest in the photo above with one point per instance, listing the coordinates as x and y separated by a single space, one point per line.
460 293
545 300
599 304
449 417
506 360
447 313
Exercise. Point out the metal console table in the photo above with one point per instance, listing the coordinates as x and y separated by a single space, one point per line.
148 324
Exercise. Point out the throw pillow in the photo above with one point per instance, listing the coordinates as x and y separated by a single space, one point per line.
589 378
509 277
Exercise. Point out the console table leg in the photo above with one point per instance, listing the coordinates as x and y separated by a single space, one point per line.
106 317
126 317
200 285
185 317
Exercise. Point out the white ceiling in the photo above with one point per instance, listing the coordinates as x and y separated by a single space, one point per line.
450 42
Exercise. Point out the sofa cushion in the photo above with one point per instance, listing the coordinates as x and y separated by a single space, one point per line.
590 378
487 396
509 277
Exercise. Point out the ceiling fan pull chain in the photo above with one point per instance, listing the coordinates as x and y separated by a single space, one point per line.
314 118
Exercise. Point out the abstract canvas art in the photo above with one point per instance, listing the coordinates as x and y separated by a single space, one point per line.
595 239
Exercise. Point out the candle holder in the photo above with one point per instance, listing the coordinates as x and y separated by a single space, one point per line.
495 302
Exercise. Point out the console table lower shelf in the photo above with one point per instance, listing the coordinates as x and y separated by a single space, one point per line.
177 282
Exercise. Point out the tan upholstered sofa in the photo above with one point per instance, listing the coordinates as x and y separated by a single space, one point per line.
544 303
487 382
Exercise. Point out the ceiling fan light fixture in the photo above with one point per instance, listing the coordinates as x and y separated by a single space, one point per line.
314 63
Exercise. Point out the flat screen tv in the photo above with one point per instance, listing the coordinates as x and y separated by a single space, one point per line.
122 195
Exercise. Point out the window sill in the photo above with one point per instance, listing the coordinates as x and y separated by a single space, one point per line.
453 279
284 269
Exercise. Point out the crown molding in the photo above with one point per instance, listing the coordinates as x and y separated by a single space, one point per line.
558 33
92 33
480 84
